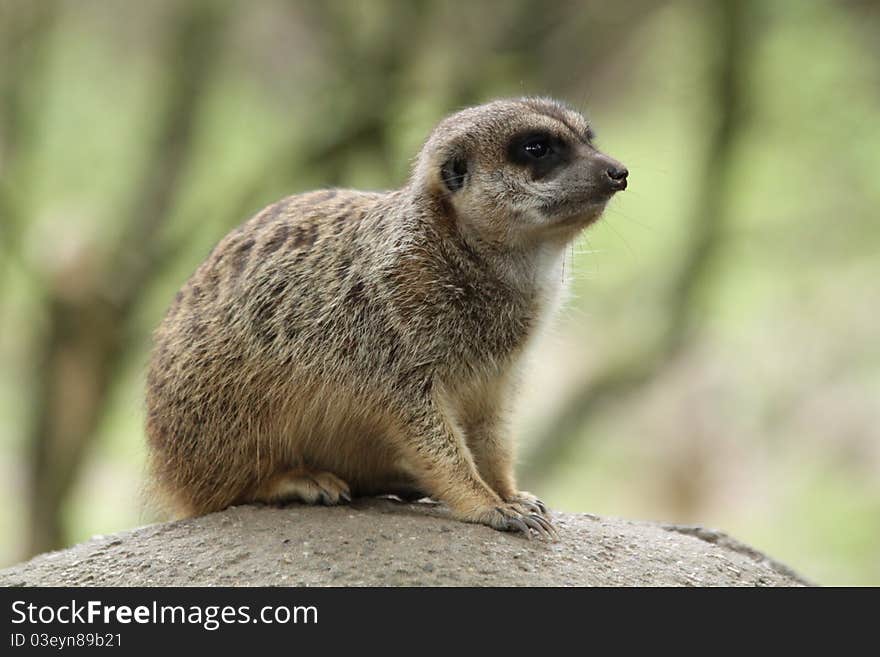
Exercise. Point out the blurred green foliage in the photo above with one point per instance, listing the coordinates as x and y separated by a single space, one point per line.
766 423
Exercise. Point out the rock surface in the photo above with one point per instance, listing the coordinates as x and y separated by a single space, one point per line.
381 542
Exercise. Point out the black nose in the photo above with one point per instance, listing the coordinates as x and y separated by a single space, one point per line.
617 177
617 174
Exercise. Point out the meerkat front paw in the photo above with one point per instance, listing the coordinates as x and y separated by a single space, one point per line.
514 518
529 502
304 485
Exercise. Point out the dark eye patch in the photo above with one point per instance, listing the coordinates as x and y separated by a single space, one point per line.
539 151
454 171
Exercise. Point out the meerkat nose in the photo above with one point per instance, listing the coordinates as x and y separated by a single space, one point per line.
618 176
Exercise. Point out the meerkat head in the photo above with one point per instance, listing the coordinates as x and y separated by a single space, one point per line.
514 172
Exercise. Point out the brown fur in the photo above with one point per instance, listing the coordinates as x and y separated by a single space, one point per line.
344 342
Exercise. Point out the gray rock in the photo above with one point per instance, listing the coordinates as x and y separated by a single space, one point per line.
379 542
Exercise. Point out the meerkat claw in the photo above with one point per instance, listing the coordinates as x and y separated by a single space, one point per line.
516 525
534 507
513 520
546 528
533 522
530 502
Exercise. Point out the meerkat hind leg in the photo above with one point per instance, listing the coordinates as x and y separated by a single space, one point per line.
304 485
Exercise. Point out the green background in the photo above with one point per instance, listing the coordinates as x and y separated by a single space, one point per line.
718 361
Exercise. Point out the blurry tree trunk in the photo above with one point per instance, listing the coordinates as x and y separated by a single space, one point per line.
87 320
729 21
25 31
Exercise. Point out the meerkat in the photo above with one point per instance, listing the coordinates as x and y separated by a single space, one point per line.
344 343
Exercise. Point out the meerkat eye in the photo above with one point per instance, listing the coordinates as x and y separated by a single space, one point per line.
537 148
541 152
454 171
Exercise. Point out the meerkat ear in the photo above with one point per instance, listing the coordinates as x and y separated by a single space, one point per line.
454 171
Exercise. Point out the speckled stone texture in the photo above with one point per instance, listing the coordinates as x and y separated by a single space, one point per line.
380 542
